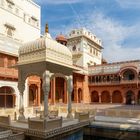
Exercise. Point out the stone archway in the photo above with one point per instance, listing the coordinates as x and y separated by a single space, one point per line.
34 95
7 97
105 97
59 93
33 99
94 97
80 95
129 97
117 97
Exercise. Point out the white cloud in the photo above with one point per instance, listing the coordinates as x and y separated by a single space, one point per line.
133 4
59 1
112 33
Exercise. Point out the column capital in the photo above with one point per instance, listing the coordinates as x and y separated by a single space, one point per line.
21 87
46 82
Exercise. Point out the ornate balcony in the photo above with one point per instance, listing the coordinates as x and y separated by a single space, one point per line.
8 72
114 82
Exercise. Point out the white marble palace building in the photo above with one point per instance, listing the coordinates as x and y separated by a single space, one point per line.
96 81
18 24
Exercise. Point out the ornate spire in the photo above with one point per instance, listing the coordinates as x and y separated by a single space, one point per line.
46 28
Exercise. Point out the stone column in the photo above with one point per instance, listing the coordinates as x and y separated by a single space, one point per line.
46 89
111 98
76 95
70 89
21 88
38 87
53 90
100 98
124 98
65 92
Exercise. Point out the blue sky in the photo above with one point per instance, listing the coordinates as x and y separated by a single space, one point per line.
115 22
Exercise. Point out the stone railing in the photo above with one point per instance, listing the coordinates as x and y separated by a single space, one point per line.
81 116
5 134
122 113
45 124
52 113
18 136
5 120
8 111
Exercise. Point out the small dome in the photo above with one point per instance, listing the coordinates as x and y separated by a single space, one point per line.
104 61
61 38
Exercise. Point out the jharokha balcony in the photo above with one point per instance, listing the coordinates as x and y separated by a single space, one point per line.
114 82
8 73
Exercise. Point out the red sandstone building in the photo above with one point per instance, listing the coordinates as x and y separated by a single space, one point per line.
96 82
111 83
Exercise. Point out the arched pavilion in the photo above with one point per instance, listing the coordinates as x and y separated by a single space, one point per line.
47 59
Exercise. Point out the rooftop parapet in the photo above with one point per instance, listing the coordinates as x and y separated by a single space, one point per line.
86 33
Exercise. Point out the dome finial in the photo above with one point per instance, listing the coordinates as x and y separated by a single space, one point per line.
46 28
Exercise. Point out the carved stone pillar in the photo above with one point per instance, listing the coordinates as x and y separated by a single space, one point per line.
76 95
70 89
124 99
46 89
111 98
53 90
100 98
21 88
65 92
38 95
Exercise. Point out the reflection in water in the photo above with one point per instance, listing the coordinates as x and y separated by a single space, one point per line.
75 136
96 138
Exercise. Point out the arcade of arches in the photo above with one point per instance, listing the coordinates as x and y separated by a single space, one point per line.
58 91
115 97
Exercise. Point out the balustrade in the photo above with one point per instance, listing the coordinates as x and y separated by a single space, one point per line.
112 82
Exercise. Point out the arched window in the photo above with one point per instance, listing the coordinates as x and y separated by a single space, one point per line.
7 97
128 75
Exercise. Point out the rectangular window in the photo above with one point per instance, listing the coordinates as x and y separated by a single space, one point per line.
9 29
90 50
